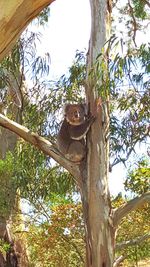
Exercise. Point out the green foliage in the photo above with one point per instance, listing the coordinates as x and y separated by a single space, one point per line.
4 246
129 80
37 178
61 238
99 75
71 86
139 9
138 178
135 225
144 54
34 174
44 16
34 118
132 17
33 66
12 62
7 186
9 67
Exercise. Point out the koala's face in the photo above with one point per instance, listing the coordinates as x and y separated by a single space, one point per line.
75 113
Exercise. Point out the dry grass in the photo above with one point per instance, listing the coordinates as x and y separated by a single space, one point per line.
144 264
140 264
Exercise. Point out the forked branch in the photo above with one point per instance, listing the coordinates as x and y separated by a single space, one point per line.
130 206
41 143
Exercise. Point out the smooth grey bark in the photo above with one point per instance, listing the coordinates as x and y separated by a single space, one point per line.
95 192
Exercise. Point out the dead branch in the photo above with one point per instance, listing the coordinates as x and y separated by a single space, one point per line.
130 206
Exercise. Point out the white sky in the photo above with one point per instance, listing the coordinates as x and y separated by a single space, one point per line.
68 30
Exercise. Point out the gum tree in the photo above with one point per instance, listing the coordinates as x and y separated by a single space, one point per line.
91 176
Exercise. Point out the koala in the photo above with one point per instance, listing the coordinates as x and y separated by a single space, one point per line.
71 137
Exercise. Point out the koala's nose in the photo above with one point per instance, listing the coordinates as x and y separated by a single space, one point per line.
77 115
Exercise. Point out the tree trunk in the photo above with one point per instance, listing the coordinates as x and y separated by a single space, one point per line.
95 192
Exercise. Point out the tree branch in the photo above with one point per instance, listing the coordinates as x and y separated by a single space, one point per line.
133 242
119 260
147 3
14 17
42 144
130 206
125 244
133 21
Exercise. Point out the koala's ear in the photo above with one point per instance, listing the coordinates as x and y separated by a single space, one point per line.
66 108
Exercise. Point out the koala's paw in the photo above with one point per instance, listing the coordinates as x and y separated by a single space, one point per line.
91 118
